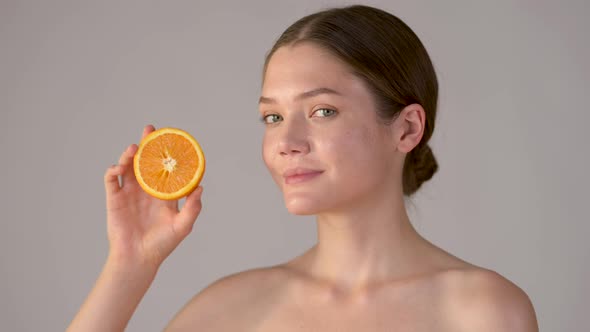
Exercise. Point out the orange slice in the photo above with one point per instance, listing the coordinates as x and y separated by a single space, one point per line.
169 163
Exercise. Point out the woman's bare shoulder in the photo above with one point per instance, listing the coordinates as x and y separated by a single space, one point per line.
222 301
479 299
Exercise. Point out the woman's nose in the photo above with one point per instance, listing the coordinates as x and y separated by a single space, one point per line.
294 137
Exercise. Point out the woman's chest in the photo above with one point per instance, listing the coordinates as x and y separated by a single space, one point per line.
317 321
406 314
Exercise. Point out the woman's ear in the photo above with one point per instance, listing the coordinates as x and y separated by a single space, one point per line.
409 127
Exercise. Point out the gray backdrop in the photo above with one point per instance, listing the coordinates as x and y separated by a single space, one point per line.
80 79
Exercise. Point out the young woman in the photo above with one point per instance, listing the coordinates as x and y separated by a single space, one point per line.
348 102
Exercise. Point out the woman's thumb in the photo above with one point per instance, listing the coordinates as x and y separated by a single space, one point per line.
189 212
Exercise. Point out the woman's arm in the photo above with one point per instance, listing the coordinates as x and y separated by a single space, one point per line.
115 296
142 231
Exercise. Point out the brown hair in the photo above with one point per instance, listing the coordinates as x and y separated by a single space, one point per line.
383 51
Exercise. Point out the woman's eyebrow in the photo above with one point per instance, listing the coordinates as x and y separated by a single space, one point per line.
304 95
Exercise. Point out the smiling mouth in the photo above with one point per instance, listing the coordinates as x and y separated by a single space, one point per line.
299 178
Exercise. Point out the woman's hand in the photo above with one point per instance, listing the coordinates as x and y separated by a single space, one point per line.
142 229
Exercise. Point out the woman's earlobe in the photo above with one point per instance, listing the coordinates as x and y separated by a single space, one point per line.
408 128
400 137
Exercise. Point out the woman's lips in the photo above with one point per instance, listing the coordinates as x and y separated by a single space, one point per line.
301 177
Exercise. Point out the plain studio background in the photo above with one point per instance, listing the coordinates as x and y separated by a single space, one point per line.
80 79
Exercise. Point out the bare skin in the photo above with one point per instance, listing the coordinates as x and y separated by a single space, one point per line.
369 271
282 299
142 232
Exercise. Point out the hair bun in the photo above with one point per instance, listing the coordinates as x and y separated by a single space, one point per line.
419 167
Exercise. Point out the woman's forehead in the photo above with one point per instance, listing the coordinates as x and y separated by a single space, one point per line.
304 67
305 61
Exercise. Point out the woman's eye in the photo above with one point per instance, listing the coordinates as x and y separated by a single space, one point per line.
326 111
264 118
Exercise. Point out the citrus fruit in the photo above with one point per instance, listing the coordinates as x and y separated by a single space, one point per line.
169 163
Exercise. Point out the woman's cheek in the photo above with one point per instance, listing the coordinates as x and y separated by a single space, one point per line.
358 154
267 153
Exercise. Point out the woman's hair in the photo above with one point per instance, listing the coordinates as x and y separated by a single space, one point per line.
388 56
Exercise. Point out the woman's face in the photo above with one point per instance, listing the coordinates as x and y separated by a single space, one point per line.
319 116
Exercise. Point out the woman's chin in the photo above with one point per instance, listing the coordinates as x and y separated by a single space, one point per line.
302 207
301 212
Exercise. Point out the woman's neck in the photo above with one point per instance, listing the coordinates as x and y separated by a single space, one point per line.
366 243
